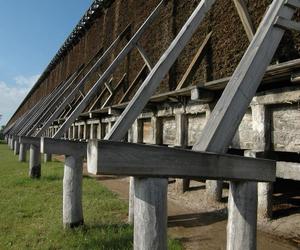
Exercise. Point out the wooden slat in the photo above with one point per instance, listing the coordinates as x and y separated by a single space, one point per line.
287 24
119 84
139 76
62 147
188 75
144 56
118 158
245 18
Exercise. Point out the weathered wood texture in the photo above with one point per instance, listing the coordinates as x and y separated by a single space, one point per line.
140 160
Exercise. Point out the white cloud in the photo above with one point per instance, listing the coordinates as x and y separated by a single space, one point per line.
26 81
11 95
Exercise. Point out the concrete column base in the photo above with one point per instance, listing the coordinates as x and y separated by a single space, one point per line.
150 213
47 158
265 200
72 192
213 191
22 153
242 216
34 162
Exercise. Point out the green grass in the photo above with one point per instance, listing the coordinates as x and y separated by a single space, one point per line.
31 211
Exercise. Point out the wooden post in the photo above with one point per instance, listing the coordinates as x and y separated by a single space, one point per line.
47 158
150 213
35 162
156 125
262 142
22 154
16 147
213 188
136 137
131 201
242 216
72 192
182 185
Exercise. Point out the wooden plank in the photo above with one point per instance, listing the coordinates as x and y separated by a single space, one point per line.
29 140
139 76
144 56
245 18
114 92
187 77
113 66
129 159
287 24
159 71
62 147
293 3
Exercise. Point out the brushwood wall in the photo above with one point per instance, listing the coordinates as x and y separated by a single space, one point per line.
225 49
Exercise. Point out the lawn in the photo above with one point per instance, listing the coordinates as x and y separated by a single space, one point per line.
31 211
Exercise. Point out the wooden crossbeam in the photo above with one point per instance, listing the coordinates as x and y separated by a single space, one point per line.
187 77
144 56
62 147
138 78
119 158
287 24
114 92
245 18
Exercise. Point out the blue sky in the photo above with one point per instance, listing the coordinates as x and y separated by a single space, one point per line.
31 32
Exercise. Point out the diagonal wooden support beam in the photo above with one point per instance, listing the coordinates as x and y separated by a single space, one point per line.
159 71
245 18
118 158
187 77
113 66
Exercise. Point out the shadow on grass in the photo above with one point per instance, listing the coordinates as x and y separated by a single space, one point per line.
52 178
107 236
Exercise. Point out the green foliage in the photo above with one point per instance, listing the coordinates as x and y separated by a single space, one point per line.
31 211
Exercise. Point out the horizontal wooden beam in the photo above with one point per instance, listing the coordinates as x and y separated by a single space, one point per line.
63 147
118 158
29 140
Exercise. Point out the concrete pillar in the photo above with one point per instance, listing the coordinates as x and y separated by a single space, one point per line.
72 192
47 158
16 147
23 152
34 161
150 213
131 201
213 189
242 216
